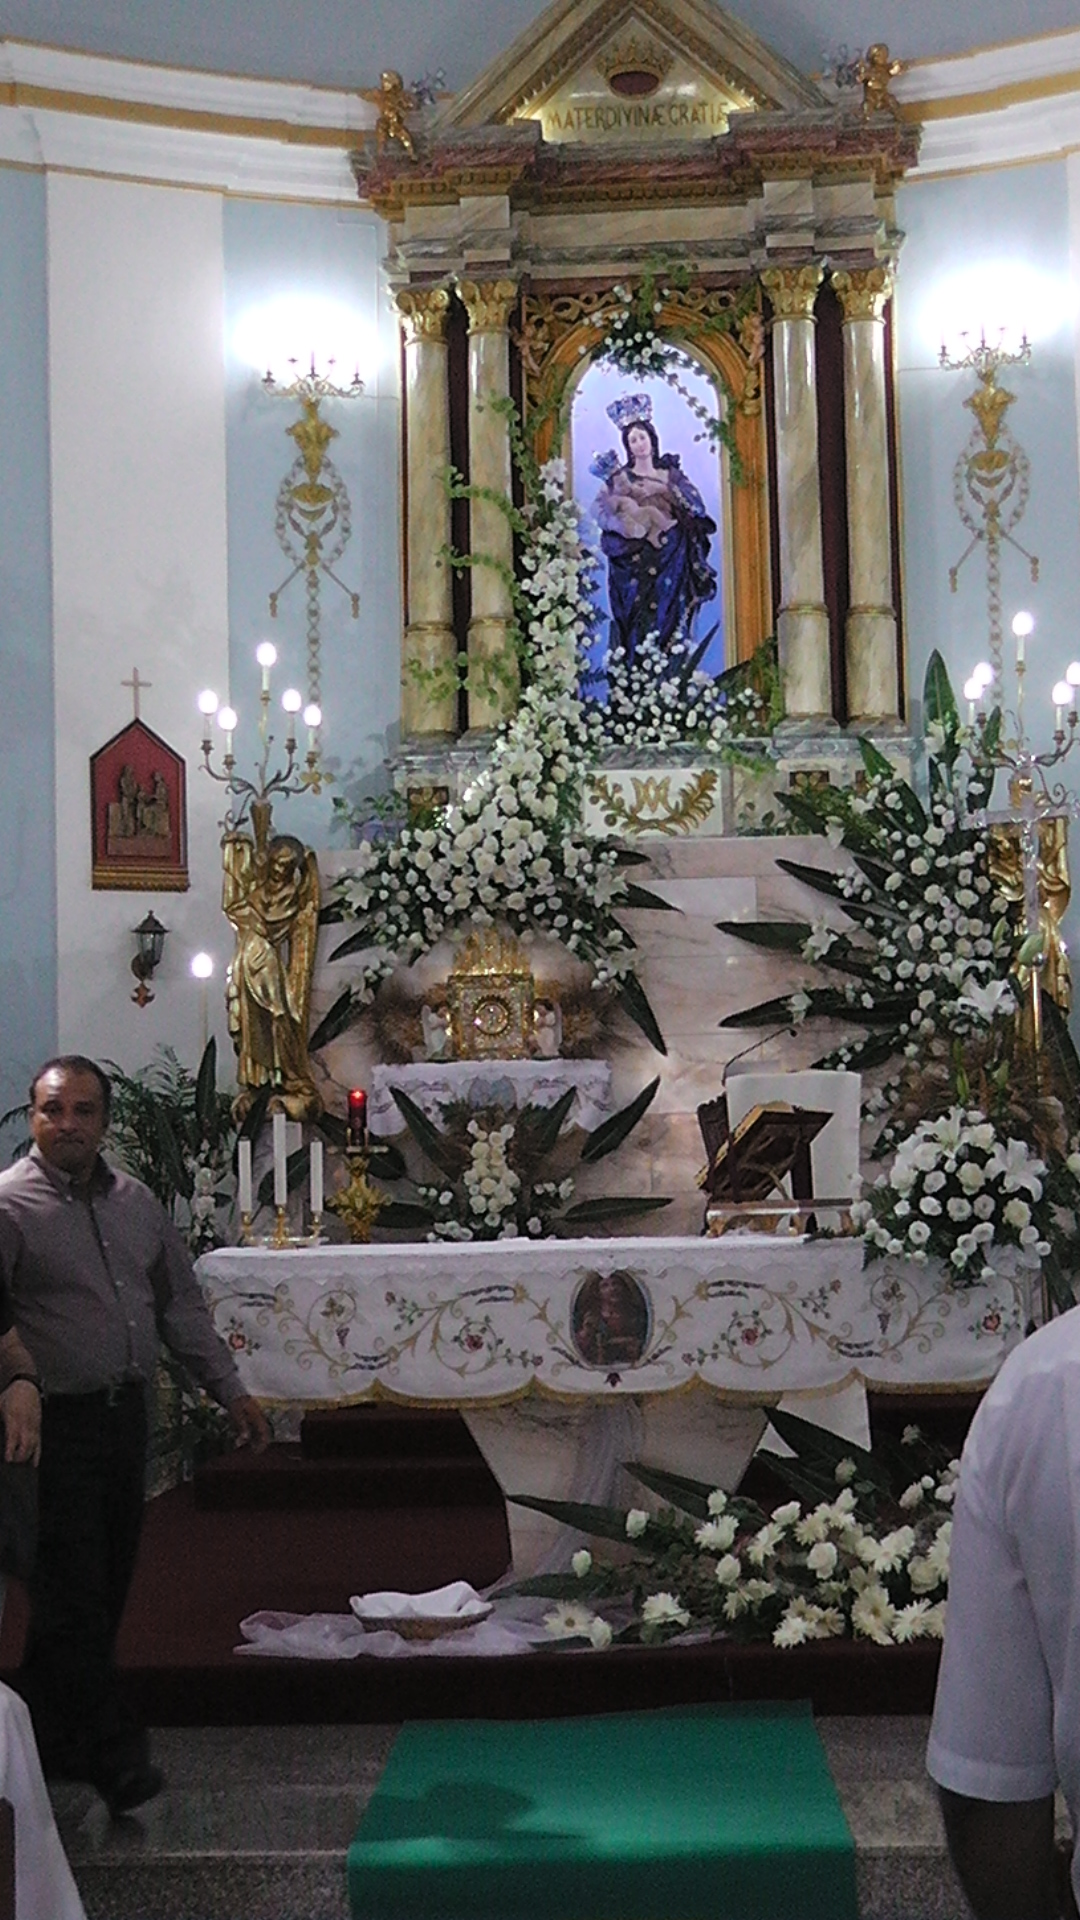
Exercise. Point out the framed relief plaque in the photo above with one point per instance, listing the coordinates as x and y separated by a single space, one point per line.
138 806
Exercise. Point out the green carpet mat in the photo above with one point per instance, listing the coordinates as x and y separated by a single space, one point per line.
714 1813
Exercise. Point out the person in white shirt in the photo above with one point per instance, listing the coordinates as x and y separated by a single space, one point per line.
1006 1726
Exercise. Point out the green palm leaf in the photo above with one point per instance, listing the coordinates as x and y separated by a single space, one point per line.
635 1000
612 1132
443 1152
611 1206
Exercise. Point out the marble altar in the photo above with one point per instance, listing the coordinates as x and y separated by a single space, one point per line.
569 1357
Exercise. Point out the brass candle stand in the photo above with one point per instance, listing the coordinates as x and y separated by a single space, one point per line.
358 1203
280 1240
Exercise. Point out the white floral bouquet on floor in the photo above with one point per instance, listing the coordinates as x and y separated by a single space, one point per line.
863 1551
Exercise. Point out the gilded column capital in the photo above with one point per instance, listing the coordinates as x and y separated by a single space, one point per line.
424 312
793 290
488 303
863 292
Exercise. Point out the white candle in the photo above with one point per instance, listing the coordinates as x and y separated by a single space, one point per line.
281 1184
316 1178
243 1169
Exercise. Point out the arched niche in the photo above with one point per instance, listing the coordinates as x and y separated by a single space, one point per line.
720 329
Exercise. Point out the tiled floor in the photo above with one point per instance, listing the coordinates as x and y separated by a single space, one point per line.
255 1822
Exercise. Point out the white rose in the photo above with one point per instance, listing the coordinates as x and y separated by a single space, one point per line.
581 1562
821 1559
728 1570
636 1522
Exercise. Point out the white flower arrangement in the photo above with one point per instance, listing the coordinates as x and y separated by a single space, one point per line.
932 941
511 848
870 1560
959 1193
660 699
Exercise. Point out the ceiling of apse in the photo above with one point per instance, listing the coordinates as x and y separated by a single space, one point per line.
345 43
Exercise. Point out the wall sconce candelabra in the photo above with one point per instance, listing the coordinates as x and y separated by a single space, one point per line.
992 476
313 513
295 775
150 945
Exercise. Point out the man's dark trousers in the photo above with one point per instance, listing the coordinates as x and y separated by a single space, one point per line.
91 1484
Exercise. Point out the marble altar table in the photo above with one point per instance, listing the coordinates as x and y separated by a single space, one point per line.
568 1357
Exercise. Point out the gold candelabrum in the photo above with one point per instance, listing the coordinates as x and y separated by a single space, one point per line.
992 475
271 897
297 774
313 512
1028 853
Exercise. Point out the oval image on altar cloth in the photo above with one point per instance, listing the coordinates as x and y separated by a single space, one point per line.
610 1319
648 483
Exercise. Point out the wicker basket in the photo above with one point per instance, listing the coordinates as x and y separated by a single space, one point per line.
412 1627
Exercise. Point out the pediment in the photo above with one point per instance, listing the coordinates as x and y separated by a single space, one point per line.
612 71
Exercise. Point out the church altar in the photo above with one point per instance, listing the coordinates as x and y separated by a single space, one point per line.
748 1319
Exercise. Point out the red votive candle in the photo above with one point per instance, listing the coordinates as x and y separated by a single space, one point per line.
357 1117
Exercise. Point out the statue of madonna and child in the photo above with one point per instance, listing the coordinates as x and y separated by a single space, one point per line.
655 535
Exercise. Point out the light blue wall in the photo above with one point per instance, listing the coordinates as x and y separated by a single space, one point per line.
273 251
27 842
1019 217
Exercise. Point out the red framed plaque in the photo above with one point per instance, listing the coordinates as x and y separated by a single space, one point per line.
138 802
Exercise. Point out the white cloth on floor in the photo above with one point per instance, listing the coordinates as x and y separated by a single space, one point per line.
515 1625
44 1888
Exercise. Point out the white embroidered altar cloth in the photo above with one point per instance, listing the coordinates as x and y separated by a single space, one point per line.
749 1318
433 1084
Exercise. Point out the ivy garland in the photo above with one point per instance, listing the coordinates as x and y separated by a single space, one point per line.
634 343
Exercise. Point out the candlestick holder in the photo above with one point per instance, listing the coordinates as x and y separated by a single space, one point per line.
359 1203
298 773
280 1239
1028 838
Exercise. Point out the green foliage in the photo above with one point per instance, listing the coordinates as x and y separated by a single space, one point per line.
175 1131
496 1155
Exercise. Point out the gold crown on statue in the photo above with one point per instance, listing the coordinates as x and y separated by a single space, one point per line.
635 57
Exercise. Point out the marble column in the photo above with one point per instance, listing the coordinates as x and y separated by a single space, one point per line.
494 682
429 683
803 623
873 686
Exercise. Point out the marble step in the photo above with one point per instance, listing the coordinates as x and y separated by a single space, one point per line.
376 1432
255 1823
286 1479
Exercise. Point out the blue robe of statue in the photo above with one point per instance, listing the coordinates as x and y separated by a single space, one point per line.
655 539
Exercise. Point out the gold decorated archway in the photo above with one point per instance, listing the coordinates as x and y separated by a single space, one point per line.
722 329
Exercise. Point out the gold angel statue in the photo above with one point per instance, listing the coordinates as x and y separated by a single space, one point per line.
394 101
271 896
874 72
